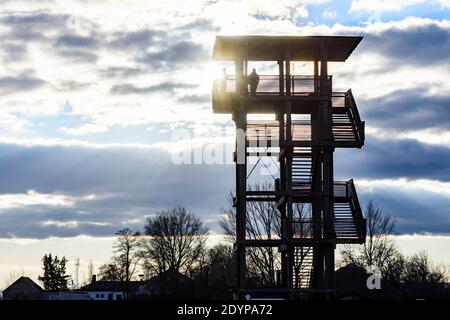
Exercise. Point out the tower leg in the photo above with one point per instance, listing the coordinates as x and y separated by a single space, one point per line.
241 206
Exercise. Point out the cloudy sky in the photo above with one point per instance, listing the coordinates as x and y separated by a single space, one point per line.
91 93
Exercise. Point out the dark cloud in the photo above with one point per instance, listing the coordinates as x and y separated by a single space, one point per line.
200 24
195 98
408 109
421 45
52 31
24 35
72 86
78 56
76 41
38 226
391 158
160 87
182 52
136 39
129 184
14 51
32 26
414 211
120 72
19 83
151 48
33 18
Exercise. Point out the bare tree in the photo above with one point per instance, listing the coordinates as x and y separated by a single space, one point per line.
422 279
125 261
112 271
379 249
420 270
416 274
263 222
215 272
126 250
221 268
380 245
173 240
394 273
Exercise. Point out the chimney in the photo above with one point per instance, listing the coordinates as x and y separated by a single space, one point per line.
94 278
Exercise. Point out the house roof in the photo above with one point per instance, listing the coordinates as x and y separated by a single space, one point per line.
118 286
275 48
23 282
351 280
165 278
170 275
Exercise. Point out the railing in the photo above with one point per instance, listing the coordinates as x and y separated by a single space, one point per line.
301 130
354 115
311 229
341 189
346 189
338 99
345 100
270 85
356 209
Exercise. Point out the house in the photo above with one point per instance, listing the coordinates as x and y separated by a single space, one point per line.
65 295
26 289
169 284
105 290
23 289
351 284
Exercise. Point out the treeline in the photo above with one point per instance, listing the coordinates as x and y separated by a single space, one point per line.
171 241
415 275
174 241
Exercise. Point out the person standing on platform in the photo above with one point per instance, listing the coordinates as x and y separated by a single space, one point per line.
253 81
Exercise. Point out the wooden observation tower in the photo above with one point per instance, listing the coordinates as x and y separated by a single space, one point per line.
309 122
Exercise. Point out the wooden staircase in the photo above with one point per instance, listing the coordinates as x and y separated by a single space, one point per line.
344 225
302 168
349 223
348 129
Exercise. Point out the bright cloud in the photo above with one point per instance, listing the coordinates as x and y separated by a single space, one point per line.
72 224
439 187
33 198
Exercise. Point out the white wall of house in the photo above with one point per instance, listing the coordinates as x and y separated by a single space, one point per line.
65 295
106 295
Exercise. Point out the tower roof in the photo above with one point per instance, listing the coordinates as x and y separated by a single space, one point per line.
274 48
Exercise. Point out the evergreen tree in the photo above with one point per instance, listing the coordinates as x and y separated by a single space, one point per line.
54 277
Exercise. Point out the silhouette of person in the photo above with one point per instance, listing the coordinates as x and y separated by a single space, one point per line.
253 80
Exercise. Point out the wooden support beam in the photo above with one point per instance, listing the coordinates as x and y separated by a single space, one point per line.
281 77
